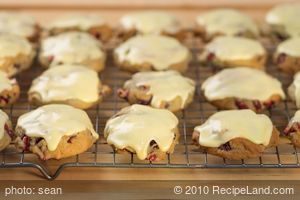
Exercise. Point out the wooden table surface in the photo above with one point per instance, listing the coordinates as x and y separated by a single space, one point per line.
45 11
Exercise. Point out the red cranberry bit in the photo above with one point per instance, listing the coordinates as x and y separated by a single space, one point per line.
241 105
225 147
257 104
269 104
281 58
5 99
50 58
9 131
26 141
152 157
210 57
97 35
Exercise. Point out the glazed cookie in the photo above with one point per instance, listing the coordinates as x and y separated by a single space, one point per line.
150 133
284 20
150 22
19 24
75 85
6 132
72 48
292 131
165 89
243 88
9 90
236 134
294 90
227 22
287 55
55 131
152 52
228 51
90 23
16 54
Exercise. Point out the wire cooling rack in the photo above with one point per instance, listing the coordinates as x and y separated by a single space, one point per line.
186 155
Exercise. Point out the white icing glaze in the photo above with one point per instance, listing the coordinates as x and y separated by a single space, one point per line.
164 86
294 89
5 82
227 21
290 47
54 121
12 45
224 126
242 82
235 48
296 117
286 15
17 23
160 51
82 21
71 48
65 82
138 125
151 22
3 120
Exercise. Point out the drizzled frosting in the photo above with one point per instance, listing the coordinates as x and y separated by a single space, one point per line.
17 23
286 15
65 82
151 22
294 90
160 51
136 126
164 86
11 46
296 117
290 47
82 21
242 82
54 121
71 48
3 120
235 48
227 21
224 126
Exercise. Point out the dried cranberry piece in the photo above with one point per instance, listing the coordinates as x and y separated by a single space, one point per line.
5 99
26 142
9 131
97 35
241 105
50 58
225 147
210 56
257 104
269 104
152 157
281 58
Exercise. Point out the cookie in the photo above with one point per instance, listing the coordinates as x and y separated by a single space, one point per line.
74 85
150 22
16 54
150 133
283 20
165 89
226 22
152 53
243 88
6 132
292 131
72 48
19 24
9 90
228 51
55 131
236 134
294 90
287 55
89 23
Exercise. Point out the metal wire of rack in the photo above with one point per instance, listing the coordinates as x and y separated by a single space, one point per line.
186 155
